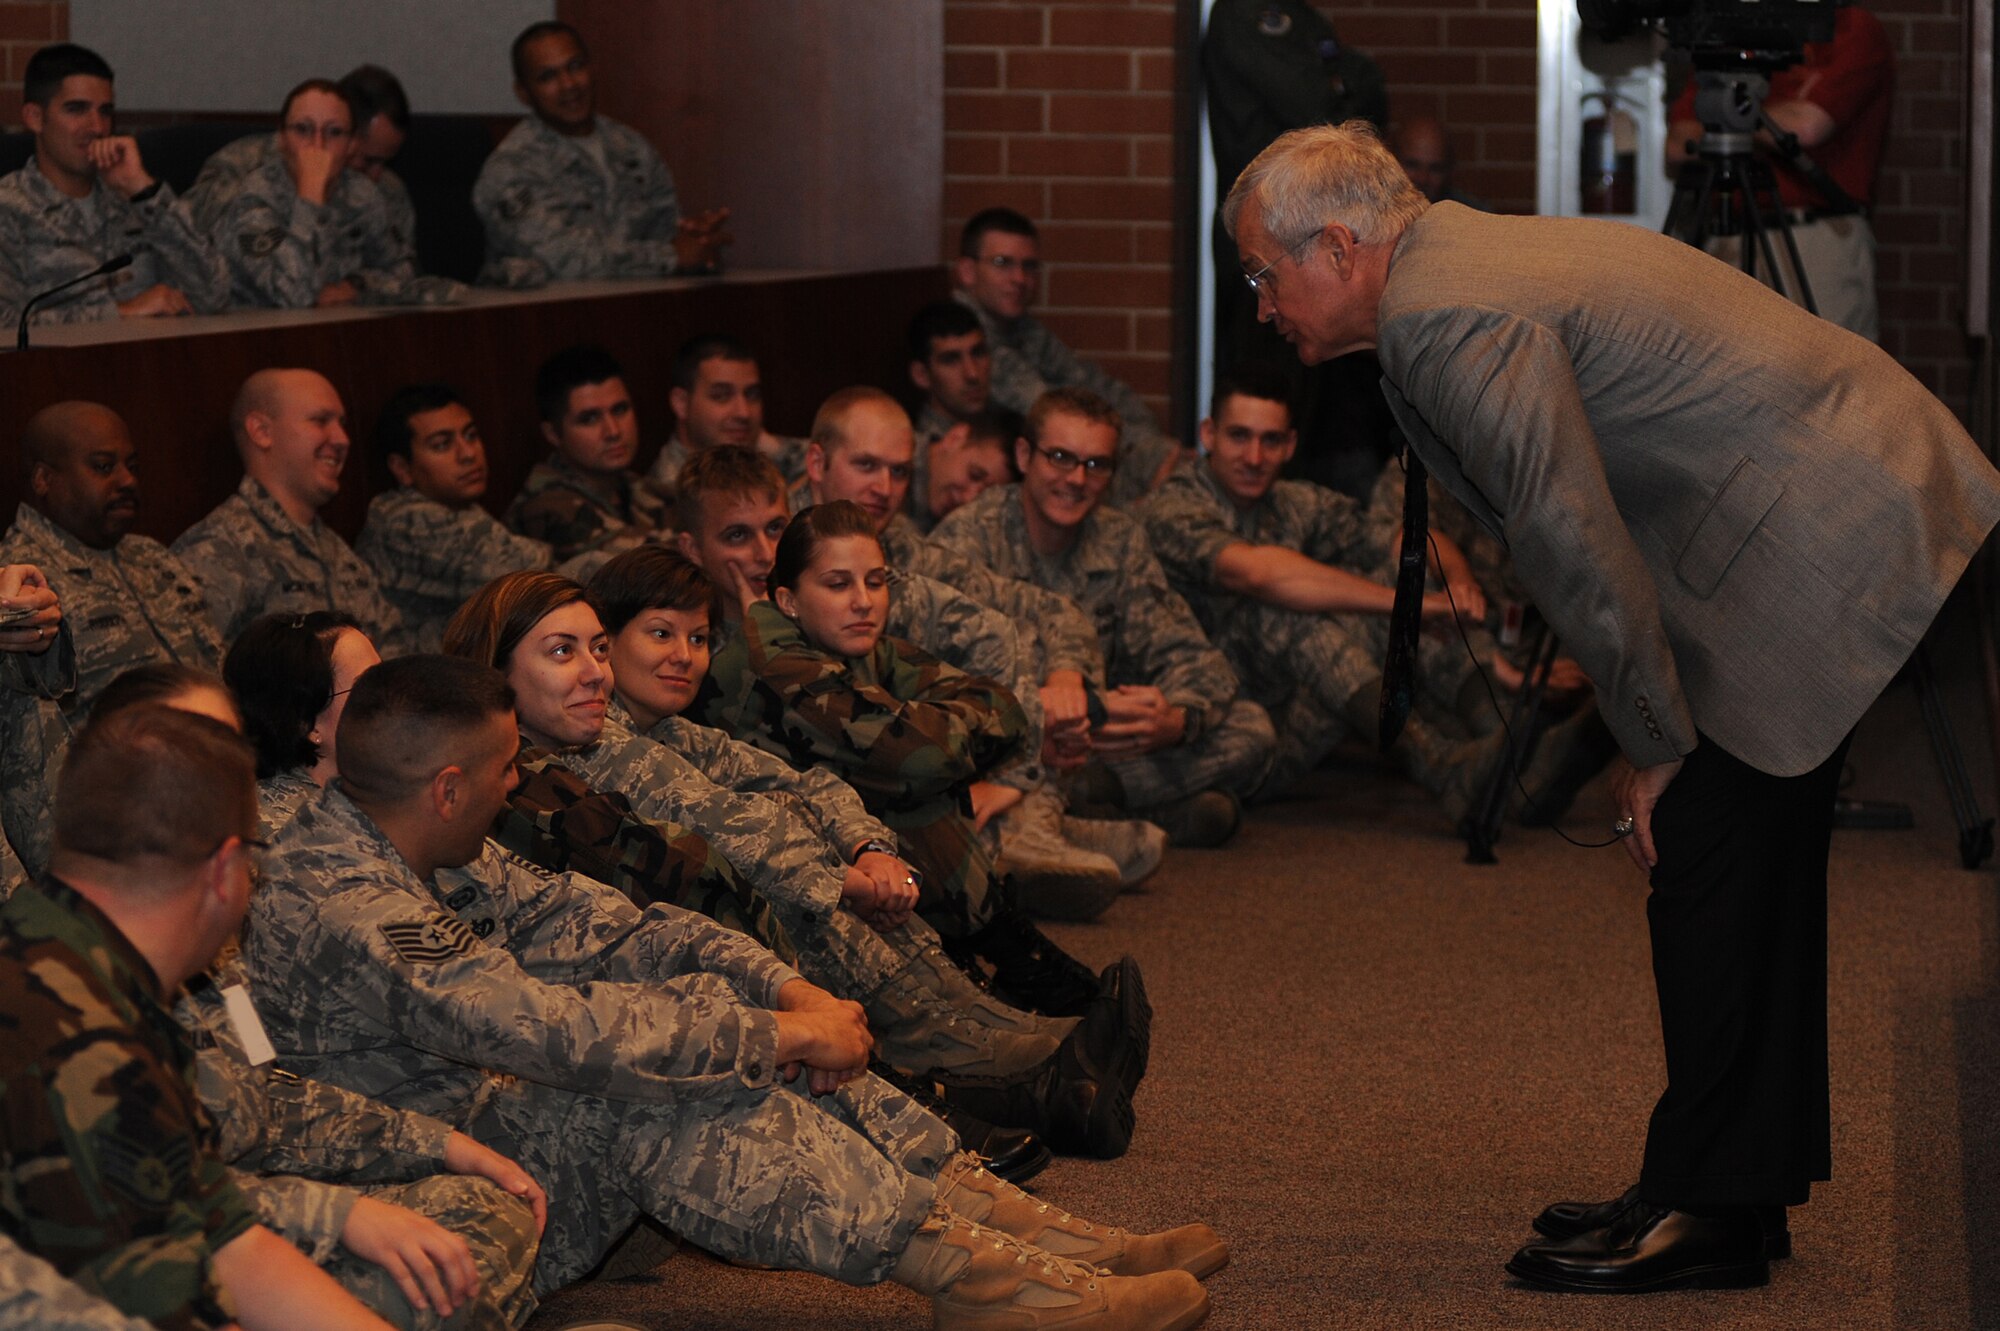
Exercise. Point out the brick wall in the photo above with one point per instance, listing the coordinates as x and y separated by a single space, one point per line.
25 26
1066 111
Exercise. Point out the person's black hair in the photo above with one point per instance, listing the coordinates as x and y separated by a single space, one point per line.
48 67
939 319
568 370
373 91
392 423
281 671
1004 220
1251 378
534 32
691 354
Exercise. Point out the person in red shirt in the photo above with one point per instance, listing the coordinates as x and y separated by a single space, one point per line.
1837 102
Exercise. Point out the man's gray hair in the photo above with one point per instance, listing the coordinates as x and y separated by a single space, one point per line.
1327 173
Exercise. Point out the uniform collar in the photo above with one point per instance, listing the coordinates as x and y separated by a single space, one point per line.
63 913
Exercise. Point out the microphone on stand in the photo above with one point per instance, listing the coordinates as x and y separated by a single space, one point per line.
118 264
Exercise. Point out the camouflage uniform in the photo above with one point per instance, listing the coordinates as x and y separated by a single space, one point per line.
1149 637
577 513
626 1059
785 452
401 212
108 1171
906 730
304 1152
251 559
34 1296
542 197
430 558
279 798
1029 360
281 250
930 424
561 822
132 605
46 238
30 684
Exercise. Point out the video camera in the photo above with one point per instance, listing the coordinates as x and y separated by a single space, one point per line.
1721 34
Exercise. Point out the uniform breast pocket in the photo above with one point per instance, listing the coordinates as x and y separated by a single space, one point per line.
1737 510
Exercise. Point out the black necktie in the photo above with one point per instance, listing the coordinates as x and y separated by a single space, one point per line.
1399 666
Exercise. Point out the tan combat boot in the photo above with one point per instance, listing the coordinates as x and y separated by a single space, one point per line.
917 1030
1054 878
948 980
977 1194
1133 844
980 1279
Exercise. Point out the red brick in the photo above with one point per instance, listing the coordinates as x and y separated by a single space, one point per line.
1098 332
1491 32
1124 27
1148 374
1931 112
1376 33
1088 242
28 22
10 107
971 69
1158 73
1888 265
1154 244
1037 155
1077 286
992 25
61 32
1503 143
1113 113
1418 102
1153 159
1145 202
1477 106
1067 71
992 112
1508 69
1941 268
1897 227
1915 151
963 198
972 155
1153 332
1936 189
1407 69
1935 342
1911 304
1945 36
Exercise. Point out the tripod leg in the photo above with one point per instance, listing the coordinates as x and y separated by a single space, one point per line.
1975 834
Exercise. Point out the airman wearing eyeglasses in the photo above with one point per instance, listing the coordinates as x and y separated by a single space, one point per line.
998 274
1175 744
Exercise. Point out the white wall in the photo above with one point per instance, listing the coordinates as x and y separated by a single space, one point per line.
245 55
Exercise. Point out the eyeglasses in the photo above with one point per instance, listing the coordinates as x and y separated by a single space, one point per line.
1065 461
1007 263
255 849
1258 281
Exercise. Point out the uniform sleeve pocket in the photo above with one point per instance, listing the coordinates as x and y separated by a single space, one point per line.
1735 512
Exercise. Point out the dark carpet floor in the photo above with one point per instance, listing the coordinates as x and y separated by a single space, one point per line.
1373 1063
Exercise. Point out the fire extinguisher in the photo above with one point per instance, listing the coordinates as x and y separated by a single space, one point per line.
1608 174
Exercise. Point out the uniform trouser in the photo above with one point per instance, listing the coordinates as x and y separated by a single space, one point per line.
834 1184
848 958
1738 921
1838 255
957 897
499 1228
1233 752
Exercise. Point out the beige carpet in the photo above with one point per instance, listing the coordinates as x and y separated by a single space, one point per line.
1373 1063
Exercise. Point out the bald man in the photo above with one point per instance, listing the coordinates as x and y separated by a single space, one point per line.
264 549
129 601
1424 150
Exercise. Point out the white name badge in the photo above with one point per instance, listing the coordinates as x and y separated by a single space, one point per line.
249 1026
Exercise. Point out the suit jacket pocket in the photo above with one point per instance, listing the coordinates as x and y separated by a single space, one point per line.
1735 512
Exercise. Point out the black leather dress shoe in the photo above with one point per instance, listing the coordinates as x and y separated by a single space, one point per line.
1650 1248
1566 1220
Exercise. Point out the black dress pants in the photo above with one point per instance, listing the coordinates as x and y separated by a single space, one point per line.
1738 922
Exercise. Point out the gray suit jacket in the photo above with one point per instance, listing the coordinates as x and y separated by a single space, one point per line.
1738 516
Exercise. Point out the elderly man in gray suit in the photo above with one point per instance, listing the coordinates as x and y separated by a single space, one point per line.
1741 519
